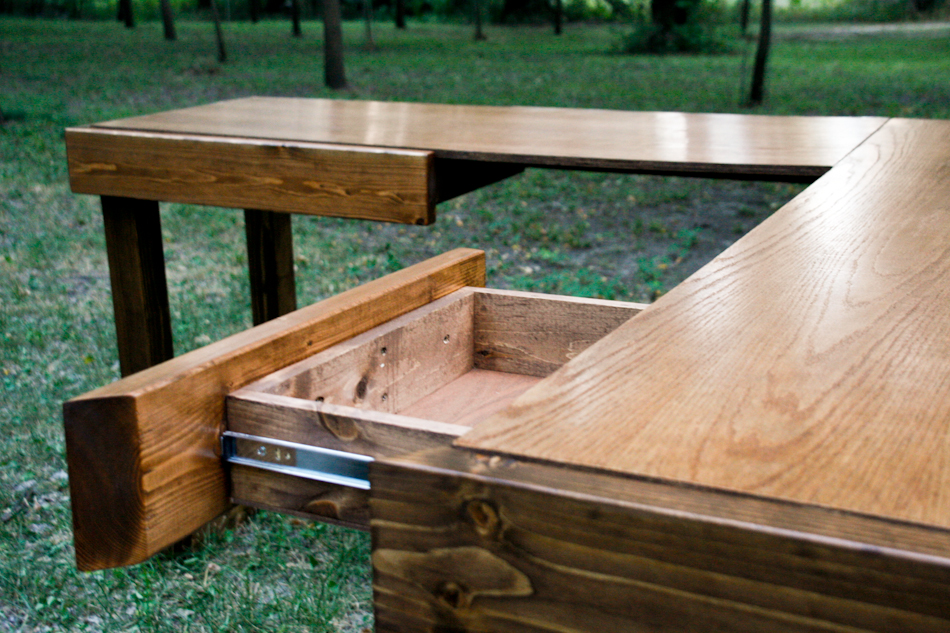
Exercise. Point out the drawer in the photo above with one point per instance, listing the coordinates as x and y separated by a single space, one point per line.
403 363
415 382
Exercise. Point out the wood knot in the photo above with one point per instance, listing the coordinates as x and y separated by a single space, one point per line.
324 508
484 517
452 595
342 428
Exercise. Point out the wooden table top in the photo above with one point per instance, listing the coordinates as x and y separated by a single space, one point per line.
669 142
809 362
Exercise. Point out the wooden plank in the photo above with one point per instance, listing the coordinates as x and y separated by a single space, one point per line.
305 498
471 398
535 334
143 452
808 362
713 144
390 366
342 428
473 543
270 264
289 176
139 293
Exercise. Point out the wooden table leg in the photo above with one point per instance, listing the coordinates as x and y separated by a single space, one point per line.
270 262
139 292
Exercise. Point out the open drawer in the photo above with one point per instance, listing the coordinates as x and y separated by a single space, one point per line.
145 453
415 382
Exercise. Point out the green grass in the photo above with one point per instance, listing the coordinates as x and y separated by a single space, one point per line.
625 237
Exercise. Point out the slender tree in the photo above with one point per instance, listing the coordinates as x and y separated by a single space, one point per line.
333 73
477 10
295 17
399 16
744 16
757 92
254 7
125 13
222 54
558 16
168 20
368 19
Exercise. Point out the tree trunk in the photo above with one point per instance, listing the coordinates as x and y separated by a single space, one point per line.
168 20
333 73
558 16
757 93
744 16
125 13
222 54
368 19
295 17
400 15
254 6
477 10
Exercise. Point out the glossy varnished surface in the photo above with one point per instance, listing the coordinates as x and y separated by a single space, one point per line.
810 362
638 141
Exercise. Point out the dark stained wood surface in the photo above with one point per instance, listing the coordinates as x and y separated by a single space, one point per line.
144 452
143 326
720 144
270 264
470 542
807 363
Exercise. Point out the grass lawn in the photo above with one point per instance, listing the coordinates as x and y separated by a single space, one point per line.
625 237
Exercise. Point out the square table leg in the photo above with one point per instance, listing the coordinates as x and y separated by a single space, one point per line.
270 263
139 292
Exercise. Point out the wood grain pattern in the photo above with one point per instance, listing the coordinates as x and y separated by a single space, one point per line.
143 326
270 264
471 397
714 144
535 334
342 428
390 366
292 176
806 363
143 451
463 542
305 498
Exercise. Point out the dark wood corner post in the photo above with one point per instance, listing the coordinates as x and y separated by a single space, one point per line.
270 262
139 293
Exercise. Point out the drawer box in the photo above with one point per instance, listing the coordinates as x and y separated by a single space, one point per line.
415 382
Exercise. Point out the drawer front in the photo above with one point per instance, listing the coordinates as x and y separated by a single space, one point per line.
144 453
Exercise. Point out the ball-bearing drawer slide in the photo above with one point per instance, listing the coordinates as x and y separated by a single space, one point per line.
297 460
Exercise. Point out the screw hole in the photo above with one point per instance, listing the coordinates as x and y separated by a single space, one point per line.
385 397
446 339
318 399
383 351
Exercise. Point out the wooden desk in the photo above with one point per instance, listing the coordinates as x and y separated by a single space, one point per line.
381 161
765 448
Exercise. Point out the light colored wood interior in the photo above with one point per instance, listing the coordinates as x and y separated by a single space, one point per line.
809 362
471 397
665 141
456 360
